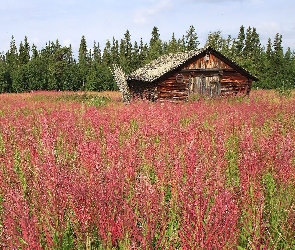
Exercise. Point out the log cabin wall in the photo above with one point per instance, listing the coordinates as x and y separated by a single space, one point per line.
193 77
143 90
213 77
208 76
174 87
175 76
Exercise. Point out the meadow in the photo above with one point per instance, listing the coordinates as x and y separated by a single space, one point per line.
85 171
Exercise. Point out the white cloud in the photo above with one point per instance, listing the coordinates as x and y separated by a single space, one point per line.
258 2
144 14
215 1
36 41
267 29
66 42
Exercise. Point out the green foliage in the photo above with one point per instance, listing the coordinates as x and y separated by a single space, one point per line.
173 46
98 101
284 89
2 146
238 44
87 98
5 77
66 241
155 45
17 166
232 156
99 78
215 40
126 50
191 39
24 68
278 202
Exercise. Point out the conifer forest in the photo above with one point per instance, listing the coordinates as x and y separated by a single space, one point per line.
25 67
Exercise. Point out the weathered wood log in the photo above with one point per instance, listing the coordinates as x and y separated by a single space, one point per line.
174 94
174 98
166 89
183 85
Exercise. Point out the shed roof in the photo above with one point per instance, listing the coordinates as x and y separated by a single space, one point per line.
167 63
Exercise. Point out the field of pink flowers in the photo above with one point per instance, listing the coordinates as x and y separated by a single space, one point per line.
206 174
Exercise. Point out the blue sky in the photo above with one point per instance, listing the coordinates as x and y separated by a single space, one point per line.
67 20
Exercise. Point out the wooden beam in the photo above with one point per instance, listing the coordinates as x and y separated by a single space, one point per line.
217 70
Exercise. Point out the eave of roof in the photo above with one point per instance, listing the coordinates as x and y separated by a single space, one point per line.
166 63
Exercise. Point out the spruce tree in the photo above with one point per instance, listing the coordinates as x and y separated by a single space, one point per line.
191 39
238 44
126 54
135 57
104 79
266 74
227 47
278 61
289 72
96 53
64 75
24 52
92 78
143 53
182 44
115 51
107 56
12 55
12 67
173 45
165 47
83 52
277 45
155 45
5 80
215 40
84 62
268 49
20 73
38 69
251 54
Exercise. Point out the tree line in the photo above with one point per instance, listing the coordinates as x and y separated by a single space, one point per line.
54 67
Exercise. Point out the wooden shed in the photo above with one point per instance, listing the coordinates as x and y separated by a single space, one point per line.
176 76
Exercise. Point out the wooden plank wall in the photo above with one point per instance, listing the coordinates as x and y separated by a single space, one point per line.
213 62
207 85
143 90
171 89
230 81
235 84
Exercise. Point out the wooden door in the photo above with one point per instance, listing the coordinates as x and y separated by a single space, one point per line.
205 85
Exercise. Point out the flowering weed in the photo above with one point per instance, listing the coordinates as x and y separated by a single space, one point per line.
205 174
